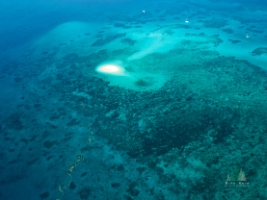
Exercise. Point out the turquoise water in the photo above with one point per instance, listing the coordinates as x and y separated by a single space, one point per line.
134 100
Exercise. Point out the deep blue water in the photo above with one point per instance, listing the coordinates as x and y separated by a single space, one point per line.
126 99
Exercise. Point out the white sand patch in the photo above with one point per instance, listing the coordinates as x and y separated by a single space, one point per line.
114 68
152 42
148 44
139 81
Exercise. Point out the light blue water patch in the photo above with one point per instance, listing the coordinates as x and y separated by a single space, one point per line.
133 99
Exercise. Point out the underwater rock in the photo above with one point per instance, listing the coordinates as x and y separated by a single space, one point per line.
106 40
85 193
259 51
228 30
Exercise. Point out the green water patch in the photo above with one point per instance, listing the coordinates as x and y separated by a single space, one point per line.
206 93
187 130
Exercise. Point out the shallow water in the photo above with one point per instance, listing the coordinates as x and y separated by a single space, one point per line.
180 114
